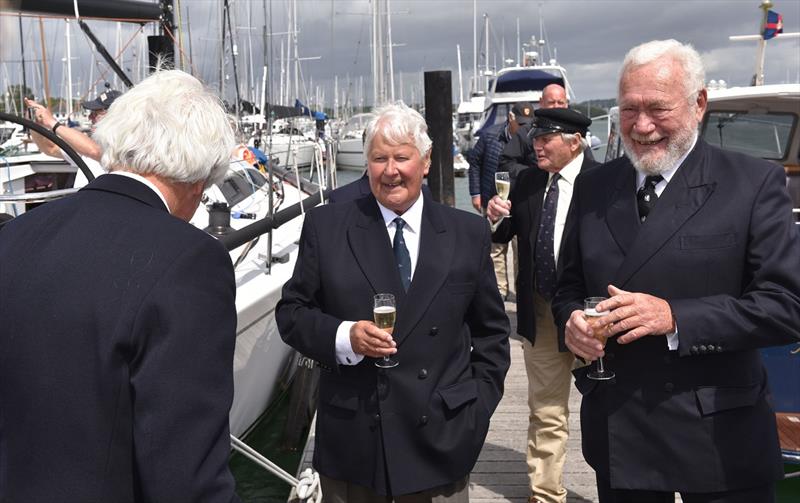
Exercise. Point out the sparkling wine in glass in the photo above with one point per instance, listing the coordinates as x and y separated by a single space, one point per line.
384 311
502 183
600 332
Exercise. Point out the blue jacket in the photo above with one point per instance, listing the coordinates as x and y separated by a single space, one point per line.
483 160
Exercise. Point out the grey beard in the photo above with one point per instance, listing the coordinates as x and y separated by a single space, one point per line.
678 146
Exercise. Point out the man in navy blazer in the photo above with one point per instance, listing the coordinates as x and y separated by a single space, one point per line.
417 427
118 317
696 248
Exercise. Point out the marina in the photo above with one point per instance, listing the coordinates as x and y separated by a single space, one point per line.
291 155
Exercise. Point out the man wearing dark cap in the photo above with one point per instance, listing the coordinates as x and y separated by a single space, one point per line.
82 143
483 161
540 205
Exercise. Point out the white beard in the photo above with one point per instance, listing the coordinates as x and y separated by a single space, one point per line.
679 144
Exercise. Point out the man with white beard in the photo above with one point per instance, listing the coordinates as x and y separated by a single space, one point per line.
696 250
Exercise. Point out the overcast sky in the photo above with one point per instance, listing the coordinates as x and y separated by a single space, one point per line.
590 39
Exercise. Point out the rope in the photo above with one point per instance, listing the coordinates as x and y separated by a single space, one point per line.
307 488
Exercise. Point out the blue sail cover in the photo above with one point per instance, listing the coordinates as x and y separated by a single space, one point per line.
304 110
526 80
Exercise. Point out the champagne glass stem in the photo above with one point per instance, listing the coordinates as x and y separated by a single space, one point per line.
600 368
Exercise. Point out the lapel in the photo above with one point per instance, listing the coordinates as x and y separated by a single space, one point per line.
569 223
369 243
126 186
436 254
684 195
622 214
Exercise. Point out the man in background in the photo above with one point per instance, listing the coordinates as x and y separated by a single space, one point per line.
83 144
518 153
540 211
483 160
119 320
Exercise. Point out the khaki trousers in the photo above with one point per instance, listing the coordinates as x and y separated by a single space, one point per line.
339 491
549 381
499 254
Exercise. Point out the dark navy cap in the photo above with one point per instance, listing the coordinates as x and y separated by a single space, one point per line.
559 120
103 101
523 112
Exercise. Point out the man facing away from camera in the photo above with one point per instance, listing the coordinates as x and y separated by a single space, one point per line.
119 322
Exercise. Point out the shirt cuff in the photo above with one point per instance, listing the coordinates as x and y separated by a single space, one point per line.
672 339
344 350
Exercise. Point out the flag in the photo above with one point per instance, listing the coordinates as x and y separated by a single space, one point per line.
773 26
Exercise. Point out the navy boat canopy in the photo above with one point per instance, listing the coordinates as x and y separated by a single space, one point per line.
526 80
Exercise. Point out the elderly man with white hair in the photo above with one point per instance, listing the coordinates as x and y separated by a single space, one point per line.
696 250
119 320
409 432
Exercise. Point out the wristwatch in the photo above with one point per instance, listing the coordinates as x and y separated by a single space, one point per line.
55 126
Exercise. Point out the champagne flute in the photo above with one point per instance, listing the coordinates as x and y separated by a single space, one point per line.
502 183
384 311
600 333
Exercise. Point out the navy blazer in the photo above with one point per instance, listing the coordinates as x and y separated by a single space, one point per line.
721 248
117 336
527 198
422 423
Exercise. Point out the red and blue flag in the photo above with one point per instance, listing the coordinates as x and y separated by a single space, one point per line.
773 26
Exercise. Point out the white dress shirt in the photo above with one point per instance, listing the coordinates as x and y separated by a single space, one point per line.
672 339
411 234
566 184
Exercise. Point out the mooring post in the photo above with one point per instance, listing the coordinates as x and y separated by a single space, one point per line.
439 116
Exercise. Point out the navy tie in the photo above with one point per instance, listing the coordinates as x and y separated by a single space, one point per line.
545 265
401 255
646 197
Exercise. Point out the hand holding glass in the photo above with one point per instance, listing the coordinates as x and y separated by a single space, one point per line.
600 332
384 311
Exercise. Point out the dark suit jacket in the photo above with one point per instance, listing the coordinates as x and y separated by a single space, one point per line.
526 198
353 190
720 247
422 423
117 336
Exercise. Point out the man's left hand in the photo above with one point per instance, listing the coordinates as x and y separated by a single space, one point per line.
636 315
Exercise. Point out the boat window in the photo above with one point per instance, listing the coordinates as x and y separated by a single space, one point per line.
766 135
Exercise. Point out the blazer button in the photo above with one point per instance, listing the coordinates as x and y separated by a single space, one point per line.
719 348
423 374
434 331
376 417
703 348
668 387
710 348
423 420
693 350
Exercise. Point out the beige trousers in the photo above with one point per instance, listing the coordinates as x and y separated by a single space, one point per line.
499 254
549 381
339 491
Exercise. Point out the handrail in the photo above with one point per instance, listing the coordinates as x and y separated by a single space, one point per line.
237 238
36 197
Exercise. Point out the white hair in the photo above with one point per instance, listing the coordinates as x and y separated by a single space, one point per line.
168 125
684 55
570 137
398 123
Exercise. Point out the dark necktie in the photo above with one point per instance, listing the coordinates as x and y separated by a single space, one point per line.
647 197
401 255
545 265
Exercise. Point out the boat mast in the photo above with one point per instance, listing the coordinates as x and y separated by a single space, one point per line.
460 82
24 77
44 64
69 70
474 47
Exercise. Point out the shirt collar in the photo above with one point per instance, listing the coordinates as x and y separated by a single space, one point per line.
145 181
571 170
412 216
667 175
